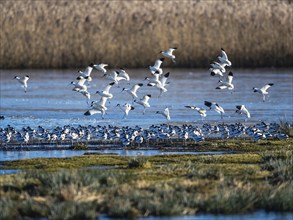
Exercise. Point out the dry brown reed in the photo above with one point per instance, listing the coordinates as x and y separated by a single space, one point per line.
63 33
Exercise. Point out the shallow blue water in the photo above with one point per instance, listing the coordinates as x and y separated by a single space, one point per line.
51 102
19 155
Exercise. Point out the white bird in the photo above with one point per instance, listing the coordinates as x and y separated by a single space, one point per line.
133 90
98 107
241 109
126 108
106 92
87 73
263 90
144 102
123 74
161 85
201 111
165 113
23 81
86 94
157 66
101 67
79 85
155 79
216 107
114 77
216 65
169 54
224 61
228 84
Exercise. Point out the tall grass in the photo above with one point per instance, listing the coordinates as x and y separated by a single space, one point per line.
62 34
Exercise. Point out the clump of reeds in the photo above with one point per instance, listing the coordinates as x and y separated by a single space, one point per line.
139 162
62 34
79 146
286 128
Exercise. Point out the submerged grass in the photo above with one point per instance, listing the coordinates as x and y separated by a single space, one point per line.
149 186
62 34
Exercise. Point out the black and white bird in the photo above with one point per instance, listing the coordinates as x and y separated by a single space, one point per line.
133 90
155 79
80 84
115 76
157 66
215 106
123 74
263 90
101 67
106 92
216 65
228 84
165 113
87 72
23 81
144 102
169 53
126 108
241 109
201 111
86 94
98 107
223 58
161 83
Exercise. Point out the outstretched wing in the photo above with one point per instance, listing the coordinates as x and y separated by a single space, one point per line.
266 87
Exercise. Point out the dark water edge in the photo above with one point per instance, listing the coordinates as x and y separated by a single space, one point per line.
259 215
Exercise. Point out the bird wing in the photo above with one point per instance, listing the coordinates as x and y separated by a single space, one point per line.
108 87
190 106
223 54
164 79
92 112
208 104
265 88
158 64
136 87
245 111
222 87
219 108
230 77
146 98
170 51
102 101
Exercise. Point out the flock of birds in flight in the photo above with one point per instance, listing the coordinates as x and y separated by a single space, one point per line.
126 135
158 80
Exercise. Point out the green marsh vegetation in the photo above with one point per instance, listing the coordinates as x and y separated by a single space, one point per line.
71 34
259 176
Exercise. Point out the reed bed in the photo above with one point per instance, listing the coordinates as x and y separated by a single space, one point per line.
63 34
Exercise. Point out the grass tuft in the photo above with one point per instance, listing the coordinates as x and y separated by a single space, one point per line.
139 162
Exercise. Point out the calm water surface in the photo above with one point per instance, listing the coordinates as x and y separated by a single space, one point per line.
50 101
19 155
